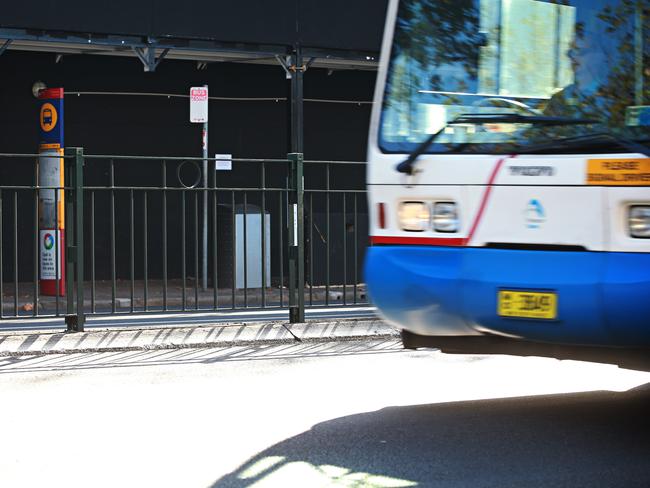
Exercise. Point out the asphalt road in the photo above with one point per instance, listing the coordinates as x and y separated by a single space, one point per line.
310 415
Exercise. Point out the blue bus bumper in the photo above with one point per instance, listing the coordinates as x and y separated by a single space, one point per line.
603 298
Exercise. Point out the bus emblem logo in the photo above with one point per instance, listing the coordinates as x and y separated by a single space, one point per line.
49 117
535 215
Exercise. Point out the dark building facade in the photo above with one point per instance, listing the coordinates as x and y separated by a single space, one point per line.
251 119
59 43
345 25
114 106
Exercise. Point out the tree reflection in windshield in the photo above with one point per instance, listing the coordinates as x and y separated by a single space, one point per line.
582 59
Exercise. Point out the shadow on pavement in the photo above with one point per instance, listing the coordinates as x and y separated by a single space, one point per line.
170 357
587 439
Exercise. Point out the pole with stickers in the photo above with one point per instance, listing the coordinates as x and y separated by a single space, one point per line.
50 198
199 115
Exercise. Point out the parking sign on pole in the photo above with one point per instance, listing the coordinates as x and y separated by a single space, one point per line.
199 115
199 104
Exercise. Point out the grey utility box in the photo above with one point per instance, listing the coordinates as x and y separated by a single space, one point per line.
248 252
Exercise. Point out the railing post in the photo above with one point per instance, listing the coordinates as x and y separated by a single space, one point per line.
296 239
74 231
68 232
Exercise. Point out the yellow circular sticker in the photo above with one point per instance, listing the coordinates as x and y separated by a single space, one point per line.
48 117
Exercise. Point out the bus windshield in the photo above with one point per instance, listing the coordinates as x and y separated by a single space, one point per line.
570 59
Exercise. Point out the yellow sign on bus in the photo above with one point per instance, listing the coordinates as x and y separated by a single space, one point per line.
618 172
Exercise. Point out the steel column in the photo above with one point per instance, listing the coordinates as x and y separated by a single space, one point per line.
296 239
74 213
295 201
297 70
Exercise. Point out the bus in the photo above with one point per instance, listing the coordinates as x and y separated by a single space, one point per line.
509 177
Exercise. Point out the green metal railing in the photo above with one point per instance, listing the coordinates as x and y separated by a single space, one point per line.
73 231
136 242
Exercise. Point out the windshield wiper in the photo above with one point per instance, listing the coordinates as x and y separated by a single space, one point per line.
629 144
510 118
406 166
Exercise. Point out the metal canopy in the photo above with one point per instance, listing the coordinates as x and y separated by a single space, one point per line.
152 51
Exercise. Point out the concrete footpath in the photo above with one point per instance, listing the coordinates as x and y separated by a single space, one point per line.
24 343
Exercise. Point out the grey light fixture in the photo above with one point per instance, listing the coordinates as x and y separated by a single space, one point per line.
37 87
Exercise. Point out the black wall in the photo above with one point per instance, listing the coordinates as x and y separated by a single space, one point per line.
160 126
336 24
156 126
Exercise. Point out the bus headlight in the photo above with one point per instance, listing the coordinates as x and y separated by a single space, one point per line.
639 221
445 217
414 216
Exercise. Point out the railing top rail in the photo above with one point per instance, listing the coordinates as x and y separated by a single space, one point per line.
181 158
23 155
313 161
182 188
177 158
192 189
34 187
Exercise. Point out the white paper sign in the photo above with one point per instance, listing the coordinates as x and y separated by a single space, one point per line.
223 162
48 245
199 104
295 224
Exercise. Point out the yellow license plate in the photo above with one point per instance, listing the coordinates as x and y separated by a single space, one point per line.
527 304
